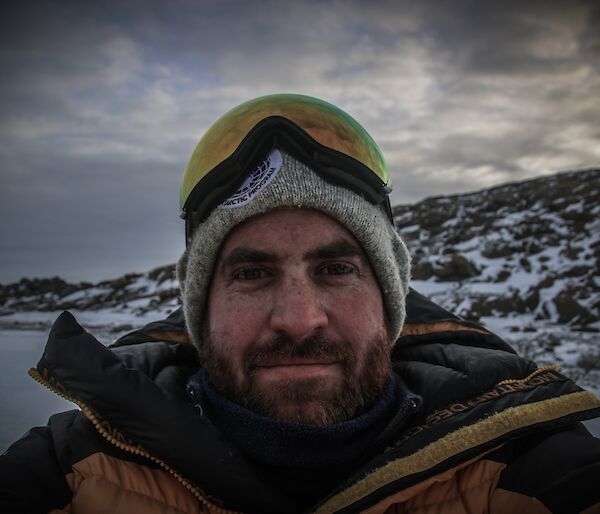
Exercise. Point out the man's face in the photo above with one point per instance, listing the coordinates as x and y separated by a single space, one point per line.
296 329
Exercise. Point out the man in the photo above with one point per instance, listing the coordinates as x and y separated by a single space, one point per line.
315 380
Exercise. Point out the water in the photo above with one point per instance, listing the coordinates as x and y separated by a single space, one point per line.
24 403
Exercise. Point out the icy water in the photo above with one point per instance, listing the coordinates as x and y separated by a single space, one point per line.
24 403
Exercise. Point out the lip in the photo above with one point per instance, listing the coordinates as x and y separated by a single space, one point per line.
297 368
293 361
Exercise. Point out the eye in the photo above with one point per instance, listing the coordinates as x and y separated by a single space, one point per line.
250 274
337 268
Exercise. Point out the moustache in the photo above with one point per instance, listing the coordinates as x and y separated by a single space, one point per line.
317 347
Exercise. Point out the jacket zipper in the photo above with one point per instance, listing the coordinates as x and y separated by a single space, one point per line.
91 416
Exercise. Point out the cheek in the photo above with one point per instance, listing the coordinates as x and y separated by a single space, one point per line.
359 319
235 324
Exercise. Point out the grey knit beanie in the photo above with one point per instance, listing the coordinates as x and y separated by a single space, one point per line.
283 181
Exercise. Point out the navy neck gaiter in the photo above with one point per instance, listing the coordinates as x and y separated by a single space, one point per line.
298 446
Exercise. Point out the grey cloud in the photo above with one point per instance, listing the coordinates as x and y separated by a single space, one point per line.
103 103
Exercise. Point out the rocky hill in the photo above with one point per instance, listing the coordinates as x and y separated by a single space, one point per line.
136 293
522 258
528 248
113 306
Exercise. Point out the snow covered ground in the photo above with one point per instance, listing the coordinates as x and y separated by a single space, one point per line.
544 341
106 325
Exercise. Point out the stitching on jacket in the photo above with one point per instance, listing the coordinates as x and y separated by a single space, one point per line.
487 430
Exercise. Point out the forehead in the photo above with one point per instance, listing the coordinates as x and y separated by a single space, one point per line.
286 230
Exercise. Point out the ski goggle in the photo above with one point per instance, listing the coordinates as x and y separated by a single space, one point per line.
324 137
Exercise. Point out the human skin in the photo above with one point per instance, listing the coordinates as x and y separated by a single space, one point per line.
296 328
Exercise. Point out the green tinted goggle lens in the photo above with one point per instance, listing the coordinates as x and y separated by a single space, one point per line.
326 124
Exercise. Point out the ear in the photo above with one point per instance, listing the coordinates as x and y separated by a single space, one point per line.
182 268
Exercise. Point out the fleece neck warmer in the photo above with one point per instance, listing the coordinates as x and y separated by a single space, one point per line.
294 445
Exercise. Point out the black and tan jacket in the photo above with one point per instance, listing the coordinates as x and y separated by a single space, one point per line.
496 434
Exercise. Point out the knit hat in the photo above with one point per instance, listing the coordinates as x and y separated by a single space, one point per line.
283 181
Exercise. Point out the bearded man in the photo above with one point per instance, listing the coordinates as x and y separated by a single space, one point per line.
302 375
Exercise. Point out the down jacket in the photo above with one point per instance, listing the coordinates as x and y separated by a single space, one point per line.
495 435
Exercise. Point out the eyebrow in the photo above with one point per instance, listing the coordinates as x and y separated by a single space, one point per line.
244 254
333 250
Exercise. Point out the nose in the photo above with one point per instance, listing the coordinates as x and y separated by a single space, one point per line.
298 310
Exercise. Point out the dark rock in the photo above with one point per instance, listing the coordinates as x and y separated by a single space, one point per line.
497 305
533 248
589 361
551 240
480 307
168 294
502 275
67 291
497 251
532 299
163 273
508 305
502 305
524 262
569 310
422 271
571 252
576 271
582 217
456 267
546 282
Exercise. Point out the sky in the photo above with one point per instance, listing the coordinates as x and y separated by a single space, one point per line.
102 104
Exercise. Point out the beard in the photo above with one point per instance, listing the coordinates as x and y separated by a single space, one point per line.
314 400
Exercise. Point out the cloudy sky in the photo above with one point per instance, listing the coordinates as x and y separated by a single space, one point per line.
102 103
